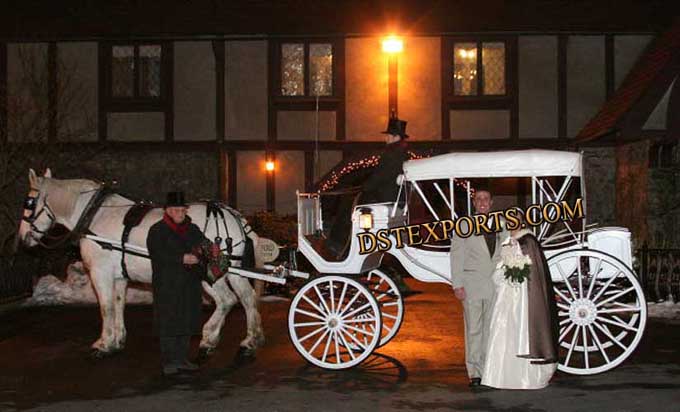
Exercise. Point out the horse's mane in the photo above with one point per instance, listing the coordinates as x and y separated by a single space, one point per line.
62 195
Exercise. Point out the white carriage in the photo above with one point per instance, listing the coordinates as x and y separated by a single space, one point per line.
338 319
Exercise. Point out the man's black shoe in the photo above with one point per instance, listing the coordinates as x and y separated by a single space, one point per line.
475 382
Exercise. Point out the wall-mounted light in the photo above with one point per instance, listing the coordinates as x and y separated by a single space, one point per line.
392 44
270 165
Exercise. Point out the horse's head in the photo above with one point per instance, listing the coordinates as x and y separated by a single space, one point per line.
38 216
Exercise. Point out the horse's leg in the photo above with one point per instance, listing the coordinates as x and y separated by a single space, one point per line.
224 301
119 294
102 280
248 298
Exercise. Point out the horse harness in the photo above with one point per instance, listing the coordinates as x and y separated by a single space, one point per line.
81 226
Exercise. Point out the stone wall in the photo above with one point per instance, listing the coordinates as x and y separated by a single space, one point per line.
600 179
147 175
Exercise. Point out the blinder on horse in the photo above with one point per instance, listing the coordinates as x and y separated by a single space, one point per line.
31 204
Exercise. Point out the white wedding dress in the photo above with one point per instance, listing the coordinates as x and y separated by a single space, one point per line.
509 337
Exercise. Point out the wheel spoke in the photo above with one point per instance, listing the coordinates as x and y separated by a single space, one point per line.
606 285
355 311
380 296
363 320
387 315
326 331
566 281
313 315
309 335
619 310
619 324
594 278
362 331
609 299
323 301
337 347
330 283
562 322
563 306
573 344
342 296
585 347
379 283
395 303
328 344
314 305
359 344
609 335
299 325
341 311
566 331
562 295
598 343
345 344
579 273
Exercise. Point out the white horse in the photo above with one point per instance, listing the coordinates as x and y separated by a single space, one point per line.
51 201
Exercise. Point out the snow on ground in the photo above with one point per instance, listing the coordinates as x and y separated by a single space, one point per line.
664 310
77 290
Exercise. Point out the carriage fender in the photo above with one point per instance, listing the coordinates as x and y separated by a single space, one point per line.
372 262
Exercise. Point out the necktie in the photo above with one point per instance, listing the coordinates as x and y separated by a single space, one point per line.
490 239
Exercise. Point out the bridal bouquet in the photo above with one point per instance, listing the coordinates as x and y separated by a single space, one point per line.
517 265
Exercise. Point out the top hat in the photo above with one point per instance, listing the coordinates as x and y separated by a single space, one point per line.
175 199
396 127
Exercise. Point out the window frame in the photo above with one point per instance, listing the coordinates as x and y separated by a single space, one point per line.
279 102
337 46
137 102
509 101
448 48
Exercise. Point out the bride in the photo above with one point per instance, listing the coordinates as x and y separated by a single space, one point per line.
522 348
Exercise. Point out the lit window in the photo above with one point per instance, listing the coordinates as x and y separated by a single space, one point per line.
296 59
467 81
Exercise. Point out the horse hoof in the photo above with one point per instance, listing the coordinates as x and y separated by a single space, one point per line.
204 354
244 356
99 354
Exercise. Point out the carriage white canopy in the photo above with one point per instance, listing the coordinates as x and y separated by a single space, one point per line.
511 163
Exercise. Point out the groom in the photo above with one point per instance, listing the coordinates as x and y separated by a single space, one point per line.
473 261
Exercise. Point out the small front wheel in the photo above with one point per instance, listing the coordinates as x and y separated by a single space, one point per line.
334 322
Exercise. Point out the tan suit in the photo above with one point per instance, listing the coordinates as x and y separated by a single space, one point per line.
472 267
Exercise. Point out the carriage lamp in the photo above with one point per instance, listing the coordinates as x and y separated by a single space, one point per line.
366 219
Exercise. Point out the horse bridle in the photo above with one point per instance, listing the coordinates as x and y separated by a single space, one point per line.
30 205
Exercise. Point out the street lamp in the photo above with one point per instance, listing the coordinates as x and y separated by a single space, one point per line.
393 45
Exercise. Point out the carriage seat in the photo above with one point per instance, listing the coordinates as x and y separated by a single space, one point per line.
321 245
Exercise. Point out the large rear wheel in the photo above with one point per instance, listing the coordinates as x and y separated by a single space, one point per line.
602 310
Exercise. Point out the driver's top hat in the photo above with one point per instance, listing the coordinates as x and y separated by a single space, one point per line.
396 127
175 199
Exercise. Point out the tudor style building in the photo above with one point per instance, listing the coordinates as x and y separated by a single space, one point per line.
198 95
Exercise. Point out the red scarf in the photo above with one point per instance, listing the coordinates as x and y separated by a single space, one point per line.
181 229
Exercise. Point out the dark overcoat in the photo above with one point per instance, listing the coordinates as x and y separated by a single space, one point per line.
177 292
381 186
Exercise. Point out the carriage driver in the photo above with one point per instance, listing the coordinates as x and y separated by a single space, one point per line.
176 282
381 186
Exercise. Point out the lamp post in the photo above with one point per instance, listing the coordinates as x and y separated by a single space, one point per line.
392 45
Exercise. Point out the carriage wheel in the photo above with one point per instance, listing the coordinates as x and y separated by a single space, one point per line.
390 301
332 322
602 310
